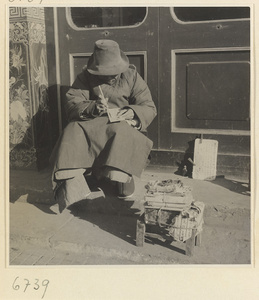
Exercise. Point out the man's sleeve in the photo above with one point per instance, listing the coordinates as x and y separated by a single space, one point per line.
78 106
141 101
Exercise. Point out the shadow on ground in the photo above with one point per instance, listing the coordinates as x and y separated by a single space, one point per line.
166 244
233 185
105 210
31 186
110 215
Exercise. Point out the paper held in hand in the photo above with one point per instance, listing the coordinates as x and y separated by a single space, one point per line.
113 115
112 112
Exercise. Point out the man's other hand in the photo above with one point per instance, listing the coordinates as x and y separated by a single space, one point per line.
126 114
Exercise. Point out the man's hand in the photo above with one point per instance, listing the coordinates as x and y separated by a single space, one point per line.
129 116
102 105
126 114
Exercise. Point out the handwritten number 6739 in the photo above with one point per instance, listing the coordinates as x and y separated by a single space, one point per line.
44 283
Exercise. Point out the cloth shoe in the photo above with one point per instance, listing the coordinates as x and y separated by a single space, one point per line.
125 190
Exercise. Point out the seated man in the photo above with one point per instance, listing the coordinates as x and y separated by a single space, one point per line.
90 142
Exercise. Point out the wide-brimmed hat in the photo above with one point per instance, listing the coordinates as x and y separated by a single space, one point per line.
107 59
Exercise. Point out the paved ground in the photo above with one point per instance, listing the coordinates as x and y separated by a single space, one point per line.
102 229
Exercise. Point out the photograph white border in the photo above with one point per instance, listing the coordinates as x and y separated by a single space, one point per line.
131 282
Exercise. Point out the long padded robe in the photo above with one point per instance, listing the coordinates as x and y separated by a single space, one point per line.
92 141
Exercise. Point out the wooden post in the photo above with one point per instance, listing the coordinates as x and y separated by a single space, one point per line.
190 243
198 240
140 233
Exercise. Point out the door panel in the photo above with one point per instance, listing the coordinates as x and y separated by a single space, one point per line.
212 96
211 92
204 82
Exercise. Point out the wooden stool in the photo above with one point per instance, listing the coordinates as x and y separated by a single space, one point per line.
162 225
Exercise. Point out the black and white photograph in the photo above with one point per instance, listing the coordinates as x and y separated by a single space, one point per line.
130 134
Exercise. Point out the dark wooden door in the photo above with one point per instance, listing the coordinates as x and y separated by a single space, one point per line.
204 77
196 62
